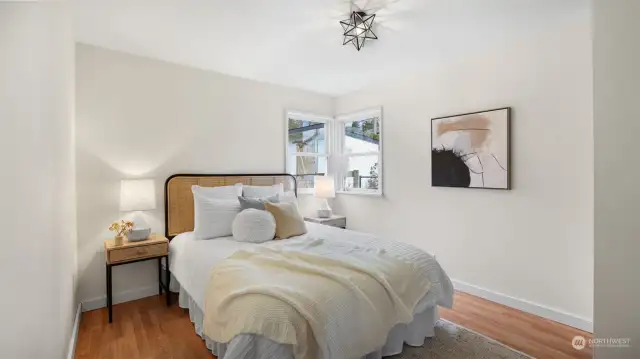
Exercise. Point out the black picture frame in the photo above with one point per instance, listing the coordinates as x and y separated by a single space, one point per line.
509 161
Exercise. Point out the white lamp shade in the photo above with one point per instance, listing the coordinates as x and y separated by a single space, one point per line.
137 195
324 187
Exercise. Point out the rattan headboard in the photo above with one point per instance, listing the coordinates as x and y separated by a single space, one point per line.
178 198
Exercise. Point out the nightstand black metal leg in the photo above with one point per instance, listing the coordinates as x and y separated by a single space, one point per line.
109 303
168 274
159 275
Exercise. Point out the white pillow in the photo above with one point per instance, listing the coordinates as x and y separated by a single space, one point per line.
262 191
213 218
223 192
254 226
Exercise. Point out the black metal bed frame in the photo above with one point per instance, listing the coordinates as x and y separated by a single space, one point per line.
166 190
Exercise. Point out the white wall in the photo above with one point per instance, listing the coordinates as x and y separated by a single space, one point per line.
38 256
532 243
616 55
138 117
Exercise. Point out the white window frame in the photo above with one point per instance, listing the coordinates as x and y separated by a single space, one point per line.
334 147
297 115
338 149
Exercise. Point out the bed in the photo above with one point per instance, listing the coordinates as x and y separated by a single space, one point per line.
191 262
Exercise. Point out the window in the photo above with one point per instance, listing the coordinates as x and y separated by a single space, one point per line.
359 148
306 148
348 147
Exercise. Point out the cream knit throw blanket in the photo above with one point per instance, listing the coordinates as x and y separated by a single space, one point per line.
328 299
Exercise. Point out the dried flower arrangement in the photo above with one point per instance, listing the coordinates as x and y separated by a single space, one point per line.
121 228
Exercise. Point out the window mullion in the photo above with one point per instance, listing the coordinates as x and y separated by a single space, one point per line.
337 155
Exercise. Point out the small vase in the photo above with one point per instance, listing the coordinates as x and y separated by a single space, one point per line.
119 240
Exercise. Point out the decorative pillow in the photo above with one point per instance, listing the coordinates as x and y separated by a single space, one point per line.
289 222
256 203
262 191
213 217
254 226
222 192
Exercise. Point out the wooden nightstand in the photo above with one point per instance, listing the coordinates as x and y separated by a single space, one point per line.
154 247
333 221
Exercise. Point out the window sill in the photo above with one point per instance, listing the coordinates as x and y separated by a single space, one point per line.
361 193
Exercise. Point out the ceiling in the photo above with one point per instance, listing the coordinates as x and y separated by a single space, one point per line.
298 43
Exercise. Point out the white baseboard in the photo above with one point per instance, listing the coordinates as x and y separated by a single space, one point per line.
121 297
526 306
74 333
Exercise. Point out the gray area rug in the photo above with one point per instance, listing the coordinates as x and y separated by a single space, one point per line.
454 342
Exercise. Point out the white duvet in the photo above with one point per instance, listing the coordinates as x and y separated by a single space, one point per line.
192 261
327 298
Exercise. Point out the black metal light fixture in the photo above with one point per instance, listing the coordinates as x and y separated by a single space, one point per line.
357 29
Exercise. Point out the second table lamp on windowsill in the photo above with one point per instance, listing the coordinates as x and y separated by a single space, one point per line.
324 188
138 195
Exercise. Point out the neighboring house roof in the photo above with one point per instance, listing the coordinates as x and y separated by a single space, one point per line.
307 128
360 136
351 132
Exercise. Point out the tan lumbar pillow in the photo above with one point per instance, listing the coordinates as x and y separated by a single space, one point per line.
289 222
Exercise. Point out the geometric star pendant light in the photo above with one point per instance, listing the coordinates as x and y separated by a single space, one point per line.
357 29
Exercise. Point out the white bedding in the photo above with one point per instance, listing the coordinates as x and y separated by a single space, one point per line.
192 261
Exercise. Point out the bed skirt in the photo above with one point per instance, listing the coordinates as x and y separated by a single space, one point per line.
251 346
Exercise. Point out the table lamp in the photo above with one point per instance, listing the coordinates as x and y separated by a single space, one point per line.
138 195
324 188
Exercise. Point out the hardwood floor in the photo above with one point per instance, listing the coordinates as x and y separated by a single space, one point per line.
142 329
530 334
146 328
